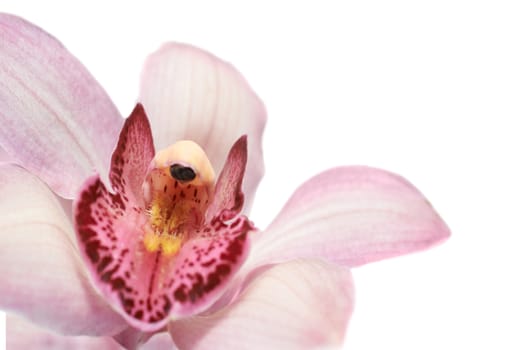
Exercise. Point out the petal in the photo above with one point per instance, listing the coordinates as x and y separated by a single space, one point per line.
4 157
295 305
228 189
351 215
160 341
42 275
191 94
131 338
57 121
132 154
22 334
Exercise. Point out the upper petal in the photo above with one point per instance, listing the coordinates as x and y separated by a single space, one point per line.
4 157
295 305
351 215
56 120
22 334
191 94
43 277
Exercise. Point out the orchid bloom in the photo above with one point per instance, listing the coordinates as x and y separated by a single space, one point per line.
158 250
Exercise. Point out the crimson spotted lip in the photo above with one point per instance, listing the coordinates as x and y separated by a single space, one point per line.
161 250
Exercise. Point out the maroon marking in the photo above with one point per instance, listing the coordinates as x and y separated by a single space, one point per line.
118 283
167 305
106 260
180 293
154 271
86 234
92 249
139 314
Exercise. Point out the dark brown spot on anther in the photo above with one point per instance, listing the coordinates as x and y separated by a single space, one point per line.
182 173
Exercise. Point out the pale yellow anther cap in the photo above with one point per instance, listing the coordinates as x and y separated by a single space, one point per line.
186 153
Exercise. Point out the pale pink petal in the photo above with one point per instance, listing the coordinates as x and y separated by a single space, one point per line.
57 121
43 277
22 335
351 216
295 305
146 286
191 94
160 341
4 157
132 339
228 189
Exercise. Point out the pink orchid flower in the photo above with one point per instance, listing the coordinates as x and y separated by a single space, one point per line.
158 249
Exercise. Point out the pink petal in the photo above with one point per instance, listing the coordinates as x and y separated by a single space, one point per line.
132 155
4 157
43 277
160 341
351 215
228 189
21 334
132 338
57 121
191 94
148 287
295 305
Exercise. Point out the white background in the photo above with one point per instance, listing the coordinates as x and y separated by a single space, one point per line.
432 90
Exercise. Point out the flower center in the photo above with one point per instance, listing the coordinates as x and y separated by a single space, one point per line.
178 188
